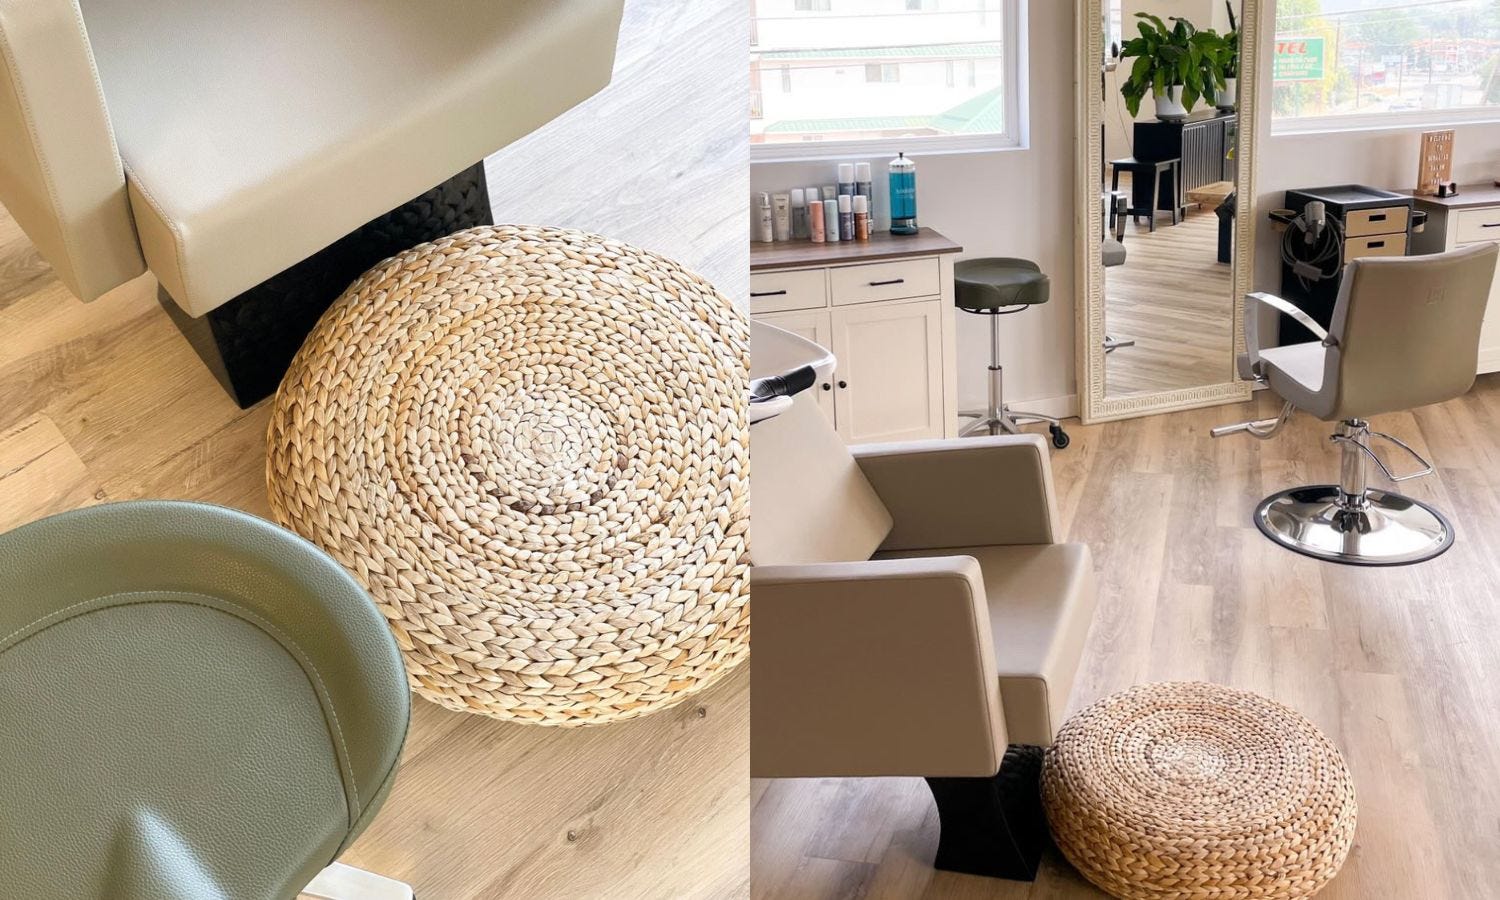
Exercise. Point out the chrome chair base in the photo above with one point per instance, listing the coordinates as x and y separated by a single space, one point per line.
1386 529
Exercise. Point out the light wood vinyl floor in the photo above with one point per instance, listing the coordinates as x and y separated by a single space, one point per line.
106 401
1399 666
1172 297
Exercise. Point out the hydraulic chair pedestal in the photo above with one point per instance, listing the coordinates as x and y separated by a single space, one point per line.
998 417
1350 522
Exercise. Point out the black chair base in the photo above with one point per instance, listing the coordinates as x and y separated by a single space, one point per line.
994 826
249 342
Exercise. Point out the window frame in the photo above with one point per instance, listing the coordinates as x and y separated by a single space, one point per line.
1012 38
1405 119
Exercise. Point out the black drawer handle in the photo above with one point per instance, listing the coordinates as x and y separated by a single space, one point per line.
1377 217
891 281
767 293
843 384
827 386
1373 245
1490 225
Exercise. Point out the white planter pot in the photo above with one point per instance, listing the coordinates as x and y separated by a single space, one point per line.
1170 107
1228 97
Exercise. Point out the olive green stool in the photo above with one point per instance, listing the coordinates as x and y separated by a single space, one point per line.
195 705
998 286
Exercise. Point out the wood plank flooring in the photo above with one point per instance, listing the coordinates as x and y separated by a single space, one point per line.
1399 666
1172 297
106 401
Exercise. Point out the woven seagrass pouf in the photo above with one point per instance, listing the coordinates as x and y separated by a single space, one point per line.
529 444
1192 790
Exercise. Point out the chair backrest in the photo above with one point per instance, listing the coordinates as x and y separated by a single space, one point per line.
809 501
1407 329
60 172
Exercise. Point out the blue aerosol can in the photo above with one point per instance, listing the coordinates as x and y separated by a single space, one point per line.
903 195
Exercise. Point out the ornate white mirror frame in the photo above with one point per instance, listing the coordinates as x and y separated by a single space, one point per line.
1089 330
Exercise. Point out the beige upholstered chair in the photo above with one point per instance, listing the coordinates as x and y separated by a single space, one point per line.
1404 333
915 615
258 156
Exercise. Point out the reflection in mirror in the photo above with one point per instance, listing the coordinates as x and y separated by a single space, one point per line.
1167 180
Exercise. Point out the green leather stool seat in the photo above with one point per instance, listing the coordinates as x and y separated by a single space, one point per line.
989 283
194 703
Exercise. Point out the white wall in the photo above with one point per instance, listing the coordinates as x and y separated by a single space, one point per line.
1003 203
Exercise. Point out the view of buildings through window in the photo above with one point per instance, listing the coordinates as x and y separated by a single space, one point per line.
857 69
1335 57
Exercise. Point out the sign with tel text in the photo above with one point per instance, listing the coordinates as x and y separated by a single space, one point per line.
1298 59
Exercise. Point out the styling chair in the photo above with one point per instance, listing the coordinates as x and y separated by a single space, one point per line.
257 157
915 615
1404 333
195 705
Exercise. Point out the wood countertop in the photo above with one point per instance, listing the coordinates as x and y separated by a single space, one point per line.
881 245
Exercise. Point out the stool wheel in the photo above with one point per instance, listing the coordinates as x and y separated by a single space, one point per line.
1060 438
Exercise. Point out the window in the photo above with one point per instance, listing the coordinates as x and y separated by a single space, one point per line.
913 75
1362 63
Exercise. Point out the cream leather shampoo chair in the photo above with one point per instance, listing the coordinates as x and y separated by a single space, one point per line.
1404 333
259 156
915 616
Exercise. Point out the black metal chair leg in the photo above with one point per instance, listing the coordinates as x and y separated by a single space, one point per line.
994 826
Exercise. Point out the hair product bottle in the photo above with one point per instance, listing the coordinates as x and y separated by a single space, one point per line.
781 217
815 220
861 217
764 232
846 179
903 195
799 214
862 185
831 220
846 217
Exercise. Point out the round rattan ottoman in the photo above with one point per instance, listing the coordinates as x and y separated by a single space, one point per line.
529 444
1192 790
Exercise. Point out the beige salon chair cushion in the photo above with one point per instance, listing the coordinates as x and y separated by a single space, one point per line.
256 133
1041 602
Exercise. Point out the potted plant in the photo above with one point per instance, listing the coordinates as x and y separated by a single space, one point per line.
1228 96
1178 64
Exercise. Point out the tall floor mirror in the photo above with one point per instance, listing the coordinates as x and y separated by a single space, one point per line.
1165 125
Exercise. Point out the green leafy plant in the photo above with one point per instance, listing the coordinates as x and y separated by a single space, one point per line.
1165 56
1231 59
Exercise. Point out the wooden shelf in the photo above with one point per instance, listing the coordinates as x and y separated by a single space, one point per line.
881 245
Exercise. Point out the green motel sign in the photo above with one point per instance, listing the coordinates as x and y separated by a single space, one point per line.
1298 59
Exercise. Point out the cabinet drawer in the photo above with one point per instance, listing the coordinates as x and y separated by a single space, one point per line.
1476 225
1385 220
1375 245
780 291
884 281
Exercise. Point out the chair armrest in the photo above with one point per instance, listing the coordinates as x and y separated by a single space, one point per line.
1291 309
60 173
874 668
1249 364
964 492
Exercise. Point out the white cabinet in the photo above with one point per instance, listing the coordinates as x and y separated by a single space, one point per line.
889 379
885 310
1471 217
